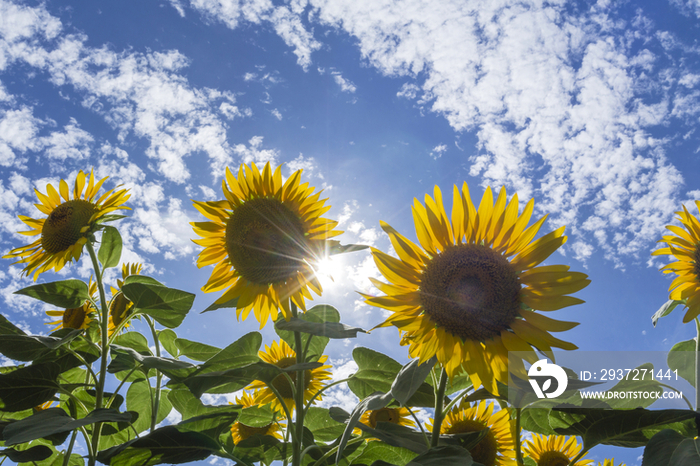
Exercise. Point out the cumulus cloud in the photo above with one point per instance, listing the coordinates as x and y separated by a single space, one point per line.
345 85
437 151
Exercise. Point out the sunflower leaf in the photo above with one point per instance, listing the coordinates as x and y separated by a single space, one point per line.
448 455
8 328
322 425
230 380
669 448
111 248
681 358
35 453
124 358
167 306
167 338
665 310
375 451
337 248
30 347
410 378
624 428
194 349
216 305
67 294
138 398
27 387
323 329
54 421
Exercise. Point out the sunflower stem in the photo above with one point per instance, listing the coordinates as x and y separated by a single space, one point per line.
104 321
439 397
518 440
299 396
159 376
697 364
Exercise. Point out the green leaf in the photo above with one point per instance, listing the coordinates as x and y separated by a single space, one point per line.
195 350
397 436
28 387
681 358
231 303
8 328
30 347
665 310
36 453
377 400
126 358
133 340
231 380
669 448
325 329
375 451
240 353
54 421
529 462
377 372
443 456
167 306
322 425
257 416
212 425
624 428
138 398
67 294
647 385
165 445
199 417
167 339
109 218
319 314
337 248
410 378
111 248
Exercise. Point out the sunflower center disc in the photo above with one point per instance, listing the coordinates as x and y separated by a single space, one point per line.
74 317
696 257
470 291
61 229
553 458
281 383
383 415
484 452
246 432
265 241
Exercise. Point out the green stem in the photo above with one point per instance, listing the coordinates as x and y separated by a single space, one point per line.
66 457
104 321
415 418
159 376
439 397
518 439
332 451
323 389
299 397
697 365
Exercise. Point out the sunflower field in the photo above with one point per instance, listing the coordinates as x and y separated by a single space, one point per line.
471 290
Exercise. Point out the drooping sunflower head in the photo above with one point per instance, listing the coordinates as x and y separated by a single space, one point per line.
468 293
554 450
69 224
684 246
497 446
78 317
393 415
283 356
264 240
120 307
240 432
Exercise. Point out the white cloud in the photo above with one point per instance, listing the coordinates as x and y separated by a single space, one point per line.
254 153
687 7
437 151
18 133
345 85
72 142
276 113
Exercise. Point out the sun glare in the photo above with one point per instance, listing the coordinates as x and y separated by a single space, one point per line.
328 271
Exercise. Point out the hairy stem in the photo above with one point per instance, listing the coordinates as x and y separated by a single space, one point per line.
439 397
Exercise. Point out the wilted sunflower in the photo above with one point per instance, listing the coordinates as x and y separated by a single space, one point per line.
120 307
467 296
685 248
498 446
264 240
554 450
283 356
77 317
396 415
240 432
65 231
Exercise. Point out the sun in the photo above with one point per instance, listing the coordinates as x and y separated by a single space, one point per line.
329 271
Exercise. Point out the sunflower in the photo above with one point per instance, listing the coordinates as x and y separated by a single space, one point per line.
497 447
283 356
240 432
685 248
554 450
467 296
396 415
610 462
69 223
77 317
120 307
264 239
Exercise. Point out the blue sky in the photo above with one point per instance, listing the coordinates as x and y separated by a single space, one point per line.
590 108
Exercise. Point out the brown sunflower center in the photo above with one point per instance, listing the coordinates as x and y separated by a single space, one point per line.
384 415
245 431
61 229
74 317
484 452
119 309
281 383
696 258
553 458
470 291
265 241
